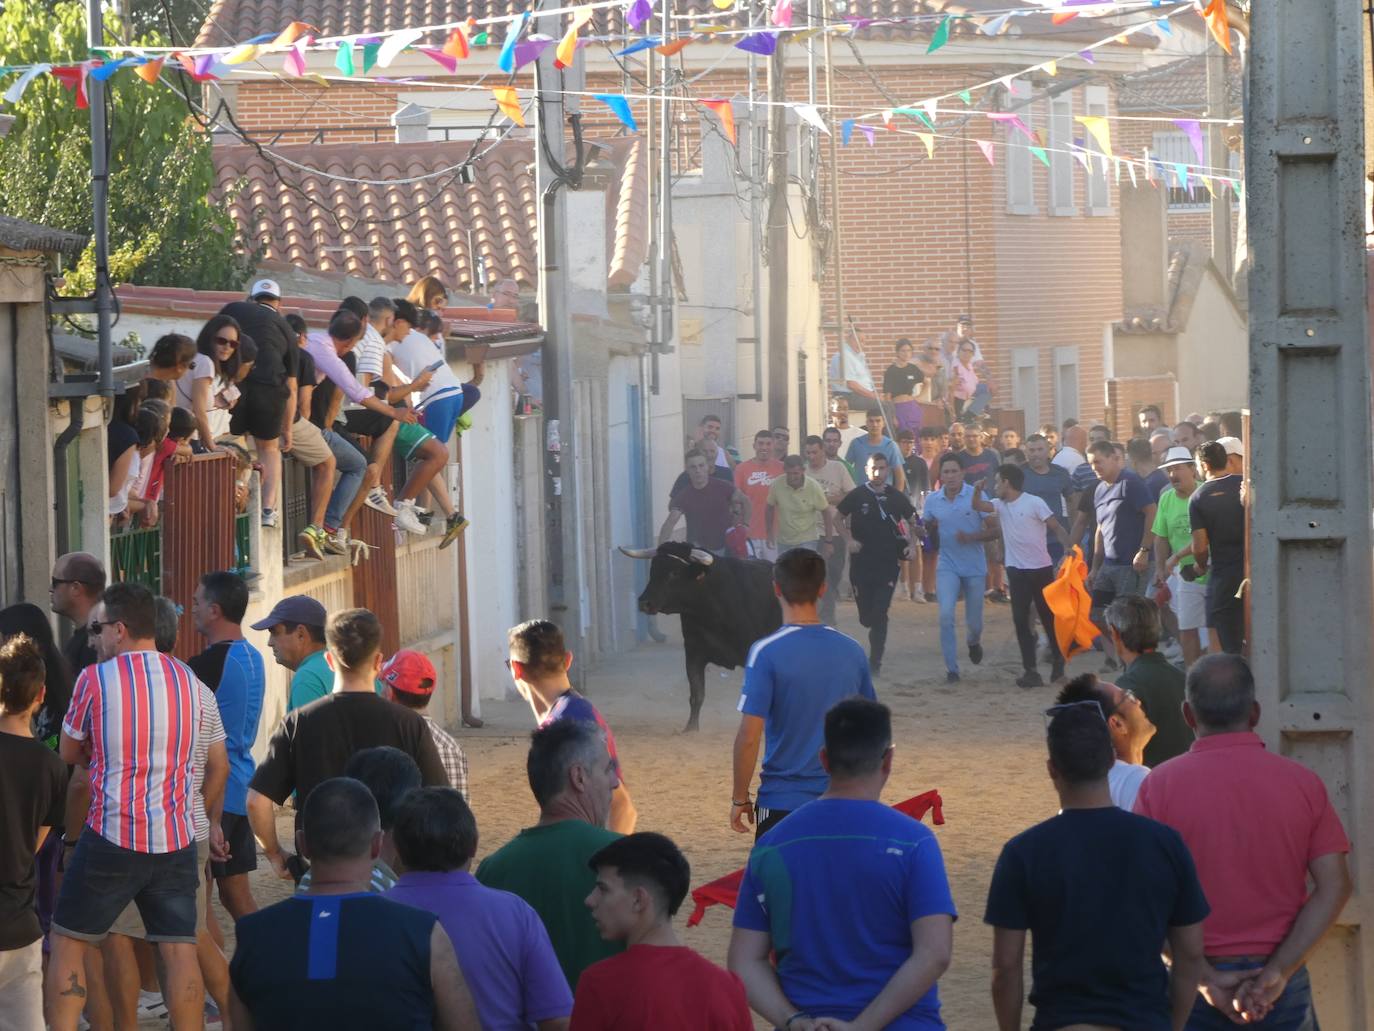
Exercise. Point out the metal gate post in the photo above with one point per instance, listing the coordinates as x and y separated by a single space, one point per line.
1310 436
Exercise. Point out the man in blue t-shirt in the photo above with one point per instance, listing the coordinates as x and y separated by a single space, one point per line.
1124 542
791 680
962 567
877 442
851 896
1052 484
233 669
1101 891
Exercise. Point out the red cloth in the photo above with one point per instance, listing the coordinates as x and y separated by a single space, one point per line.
667 988
160 459
724 890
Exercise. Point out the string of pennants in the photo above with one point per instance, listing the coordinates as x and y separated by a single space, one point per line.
360 54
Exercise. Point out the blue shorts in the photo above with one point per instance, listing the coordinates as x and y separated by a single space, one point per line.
102 879
441 414
1292 1010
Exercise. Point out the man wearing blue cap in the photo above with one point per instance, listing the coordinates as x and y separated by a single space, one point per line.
295 633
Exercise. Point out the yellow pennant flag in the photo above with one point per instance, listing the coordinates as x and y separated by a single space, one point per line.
928 139
290 34
1100 130
242 54
567 46
509 103
724 5
1051 68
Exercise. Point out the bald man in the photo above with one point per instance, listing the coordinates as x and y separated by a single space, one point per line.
77 580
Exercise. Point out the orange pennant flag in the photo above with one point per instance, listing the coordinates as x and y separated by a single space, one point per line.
457 45
567 46
509 103
1219 23
669 49
726 113
150 71
1060 17
291 33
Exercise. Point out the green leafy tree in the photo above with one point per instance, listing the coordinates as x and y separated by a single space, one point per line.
164 227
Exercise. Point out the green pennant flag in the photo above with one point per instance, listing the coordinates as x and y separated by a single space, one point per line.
1040 153
370 56
940 36
344 60
479 40
914 113
966 97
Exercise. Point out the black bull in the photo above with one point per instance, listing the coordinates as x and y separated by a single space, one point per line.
726 604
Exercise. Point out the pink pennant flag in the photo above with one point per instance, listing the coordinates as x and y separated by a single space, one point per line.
782 14
448 61
986 146
295 58
1194 131
869 132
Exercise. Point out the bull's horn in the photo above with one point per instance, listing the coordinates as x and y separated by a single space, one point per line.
639 552
702 557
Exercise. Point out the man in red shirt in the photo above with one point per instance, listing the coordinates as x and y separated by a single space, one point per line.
657 982
711 506
753 478
1258 825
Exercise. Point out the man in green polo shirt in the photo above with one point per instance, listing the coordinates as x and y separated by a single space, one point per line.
799 515
1175 568
1133 622
295 633
572 776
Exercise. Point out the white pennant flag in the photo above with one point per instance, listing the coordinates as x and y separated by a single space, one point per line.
16 90
995 25
808 113
394 44
1130 167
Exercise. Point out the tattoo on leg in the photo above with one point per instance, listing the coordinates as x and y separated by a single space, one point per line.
74 988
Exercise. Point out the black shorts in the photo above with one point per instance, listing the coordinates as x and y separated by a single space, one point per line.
364 422
243 848
259 412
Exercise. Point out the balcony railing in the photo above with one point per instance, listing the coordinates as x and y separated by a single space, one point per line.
136 557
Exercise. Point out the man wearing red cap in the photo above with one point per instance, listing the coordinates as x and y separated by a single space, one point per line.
409 678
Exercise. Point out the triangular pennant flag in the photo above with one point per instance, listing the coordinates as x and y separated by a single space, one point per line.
724 5
986 146
1149 168
74 78
846 130
993 26
620 107
1116 168
150 70
887 118
966 97
395 43
1051 68
529 49
509 103
726 113
18 87
1181 171
343 60
647 43
932 110
1163 28
759 43
1087 55
104 70
796 37
929 140
1099 129
808 114
316 78
1194 131
242 54
1040 153
295 58
940 36
869 133
1215 14
567 46
1060 17
1207 182
370 56
506 60
457 45
204 66
1130 167
290 34
451 63
782 13
481 39
1239 187
640 11
669 49
1081 156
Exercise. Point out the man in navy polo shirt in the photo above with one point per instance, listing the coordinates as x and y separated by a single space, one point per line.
1124 541
792 679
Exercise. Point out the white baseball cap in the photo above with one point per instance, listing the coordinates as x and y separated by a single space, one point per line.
1232 445
268 287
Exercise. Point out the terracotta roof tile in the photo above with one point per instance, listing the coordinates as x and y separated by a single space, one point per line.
1179 86
399 231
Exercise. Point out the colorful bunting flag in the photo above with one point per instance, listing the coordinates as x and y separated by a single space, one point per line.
105 69
1051 68
620 107
506 60
395 43
18 87
647 43
640 11
932 109
993 26
73 76
290 34
763 43
457 44
242 54
343 60
567 46
509 103
1099 129
1039 152
481 39
1087 55
966 97
986 146
370 56
941 35
869 134
295 58
726 113
451 63
1193 128
811 116
1130 167
1181 171
846 130
724 5
1081 156
529 49
928 139
150 70
1217 22
1060 17
782 13
669 49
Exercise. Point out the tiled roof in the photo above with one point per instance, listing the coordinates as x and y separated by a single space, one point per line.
233 21
403 230
18 235
1177 86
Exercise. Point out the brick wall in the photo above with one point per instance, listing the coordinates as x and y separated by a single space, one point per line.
1127 396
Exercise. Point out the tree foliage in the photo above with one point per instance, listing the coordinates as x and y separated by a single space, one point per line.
164 227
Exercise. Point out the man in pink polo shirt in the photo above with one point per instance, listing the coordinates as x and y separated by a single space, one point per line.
1258 825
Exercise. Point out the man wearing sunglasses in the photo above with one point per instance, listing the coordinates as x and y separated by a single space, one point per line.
77 580
1130 730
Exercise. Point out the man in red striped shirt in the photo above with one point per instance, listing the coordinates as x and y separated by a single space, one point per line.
133 721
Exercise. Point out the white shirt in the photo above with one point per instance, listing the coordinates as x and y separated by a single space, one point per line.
1069 459
370 352
120 501
414 353
202 367
1123 781
1023 531
849 435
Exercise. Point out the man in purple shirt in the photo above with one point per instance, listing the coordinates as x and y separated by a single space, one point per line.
503 948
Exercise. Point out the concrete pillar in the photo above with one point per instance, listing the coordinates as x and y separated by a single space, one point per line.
412 124
1144 249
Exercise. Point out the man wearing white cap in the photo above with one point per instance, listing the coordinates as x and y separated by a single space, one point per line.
267 407
1174 553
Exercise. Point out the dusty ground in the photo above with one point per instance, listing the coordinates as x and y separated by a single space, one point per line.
979 742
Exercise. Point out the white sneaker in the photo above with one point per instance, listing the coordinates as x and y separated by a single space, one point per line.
919 598
377 499
269 517
407 519
151 1006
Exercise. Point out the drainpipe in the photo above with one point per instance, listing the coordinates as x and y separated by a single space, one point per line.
76 411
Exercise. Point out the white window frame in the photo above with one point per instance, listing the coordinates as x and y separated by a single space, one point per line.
1061 185
1026 358
1020 163
1097 187
463 113
1063 409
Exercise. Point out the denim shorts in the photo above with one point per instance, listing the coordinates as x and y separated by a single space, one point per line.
1292 1010
102 878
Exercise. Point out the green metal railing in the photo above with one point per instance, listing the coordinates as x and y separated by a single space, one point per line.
136 556
243 554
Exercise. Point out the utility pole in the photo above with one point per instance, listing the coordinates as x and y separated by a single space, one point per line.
779 382
1219 158
100 203
833 159
564 526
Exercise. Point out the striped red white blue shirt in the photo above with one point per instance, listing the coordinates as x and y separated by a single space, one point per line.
141 713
